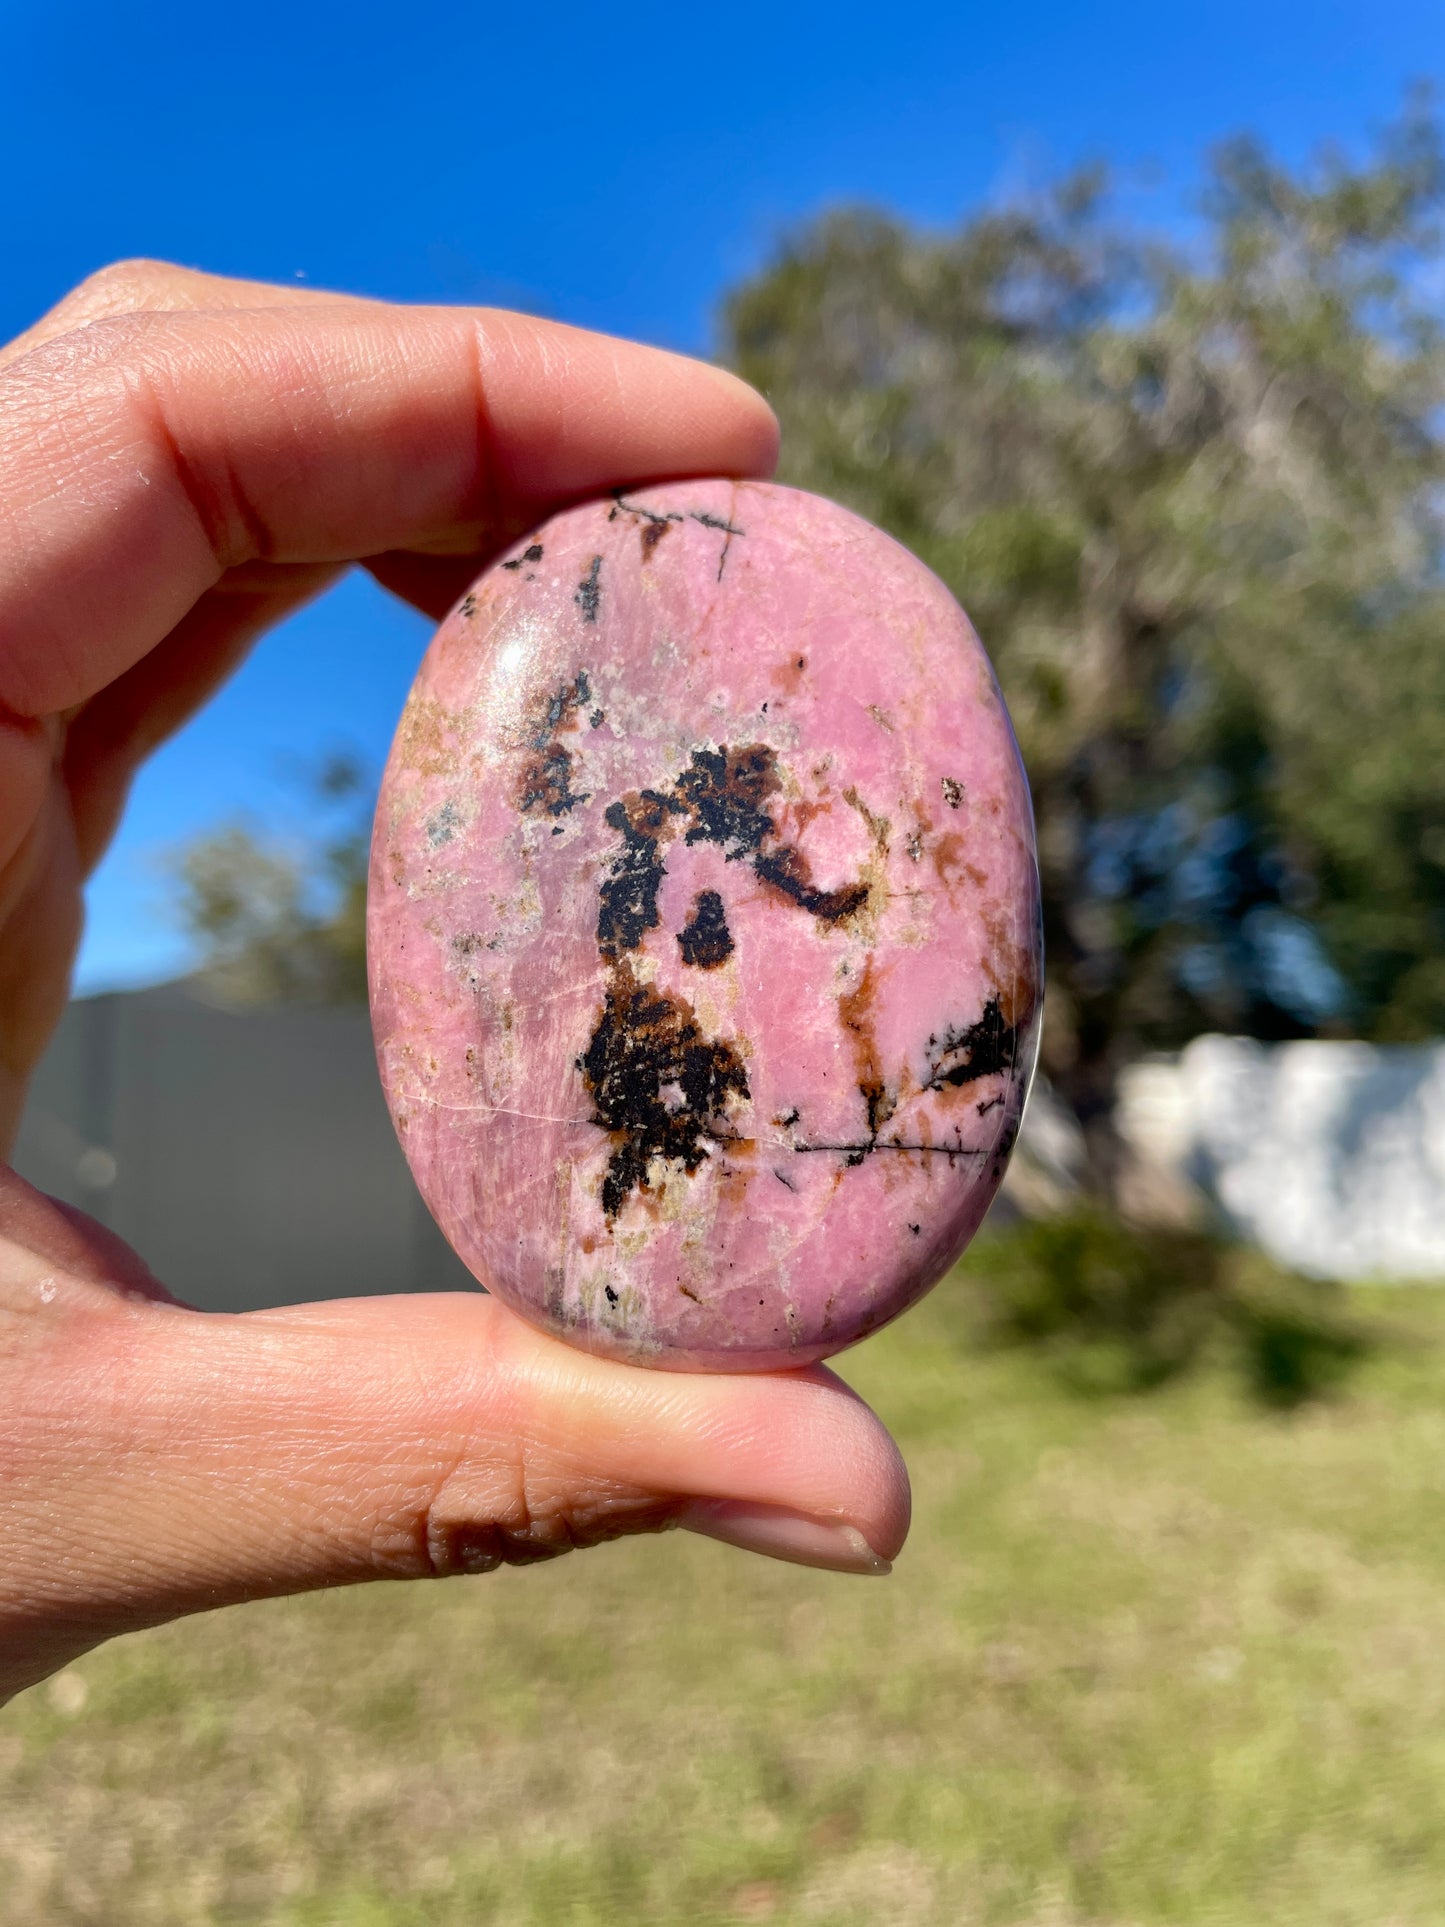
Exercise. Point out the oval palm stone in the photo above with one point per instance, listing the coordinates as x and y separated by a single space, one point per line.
703 928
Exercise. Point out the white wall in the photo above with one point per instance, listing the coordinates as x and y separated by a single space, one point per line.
1329 1155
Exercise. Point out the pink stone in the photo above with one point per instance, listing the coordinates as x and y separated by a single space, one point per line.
704 926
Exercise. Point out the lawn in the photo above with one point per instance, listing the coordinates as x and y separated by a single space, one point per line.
1159 1657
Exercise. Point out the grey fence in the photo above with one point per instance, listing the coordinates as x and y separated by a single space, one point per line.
248 1157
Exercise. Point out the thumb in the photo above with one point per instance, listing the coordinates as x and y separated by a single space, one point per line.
158 1461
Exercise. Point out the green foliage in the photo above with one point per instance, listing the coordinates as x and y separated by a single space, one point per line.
283 923
1193 501
1116 1308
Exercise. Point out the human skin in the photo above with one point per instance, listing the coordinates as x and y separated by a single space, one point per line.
183 462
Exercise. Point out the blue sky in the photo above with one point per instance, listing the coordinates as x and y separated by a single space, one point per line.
617 167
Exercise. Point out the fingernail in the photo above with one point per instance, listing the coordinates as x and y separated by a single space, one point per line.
780 1534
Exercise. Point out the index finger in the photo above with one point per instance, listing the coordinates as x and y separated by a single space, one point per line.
143 455
155 287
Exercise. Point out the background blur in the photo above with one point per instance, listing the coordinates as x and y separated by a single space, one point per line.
1129 324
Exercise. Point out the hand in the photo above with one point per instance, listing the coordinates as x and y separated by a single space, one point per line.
184 461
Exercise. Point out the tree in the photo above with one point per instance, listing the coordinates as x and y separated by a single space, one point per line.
283 922
1192 499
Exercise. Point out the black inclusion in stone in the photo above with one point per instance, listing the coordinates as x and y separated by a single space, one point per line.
546 788
785 870
705 940
978 1050
560 709
724 792
627 896
659 1087
589 591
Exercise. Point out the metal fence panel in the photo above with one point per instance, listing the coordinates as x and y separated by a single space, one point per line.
248 1157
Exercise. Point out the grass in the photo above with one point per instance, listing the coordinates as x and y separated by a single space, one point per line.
1170 1657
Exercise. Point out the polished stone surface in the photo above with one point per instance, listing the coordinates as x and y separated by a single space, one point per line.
704 928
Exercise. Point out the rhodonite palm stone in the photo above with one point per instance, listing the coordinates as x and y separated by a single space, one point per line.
703 928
